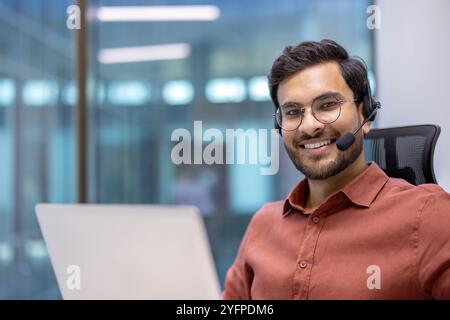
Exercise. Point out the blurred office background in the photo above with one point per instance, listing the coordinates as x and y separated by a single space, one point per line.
213 69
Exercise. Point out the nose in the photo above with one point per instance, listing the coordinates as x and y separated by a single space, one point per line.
310 125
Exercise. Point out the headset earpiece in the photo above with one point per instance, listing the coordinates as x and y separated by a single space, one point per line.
369 104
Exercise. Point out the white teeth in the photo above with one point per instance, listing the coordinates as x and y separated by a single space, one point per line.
317 145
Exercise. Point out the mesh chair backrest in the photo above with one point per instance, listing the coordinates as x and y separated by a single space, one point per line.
404 152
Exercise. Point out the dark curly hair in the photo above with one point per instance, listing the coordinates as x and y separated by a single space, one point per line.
310 53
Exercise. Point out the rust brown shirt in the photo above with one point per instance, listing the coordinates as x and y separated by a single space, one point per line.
376 238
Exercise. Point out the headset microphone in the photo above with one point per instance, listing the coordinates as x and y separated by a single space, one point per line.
348 139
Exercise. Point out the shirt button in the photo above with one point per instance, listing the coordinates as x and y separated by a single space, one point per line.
316 220
302 264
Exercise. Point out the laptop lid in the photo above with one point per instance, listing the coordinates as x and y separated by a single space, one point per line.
129 251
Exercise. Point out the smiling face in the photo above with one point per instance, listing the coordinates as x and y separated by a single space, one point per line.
305 145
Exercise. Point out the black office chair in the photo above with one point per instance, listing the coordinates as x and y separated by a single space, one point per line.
404 152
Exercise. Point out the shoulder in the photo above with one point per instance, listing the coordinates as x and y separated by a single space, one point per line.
434 190
268 215
270 211
436 205
420 194
429 202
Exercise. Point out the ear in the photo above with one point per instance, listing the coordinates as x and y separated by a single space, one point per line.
366 128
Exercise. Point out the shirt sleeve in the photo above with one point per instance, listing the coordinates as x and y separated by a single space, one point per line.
240 275
433 245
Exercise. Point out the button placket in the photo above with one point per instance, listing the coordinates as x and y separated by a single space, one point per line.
306 256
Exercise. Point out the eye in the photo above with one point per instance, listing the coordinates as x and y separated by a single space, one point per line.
329 105
292 112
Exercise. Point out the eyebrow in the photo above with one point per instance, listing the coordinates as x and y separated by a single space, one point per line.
324 95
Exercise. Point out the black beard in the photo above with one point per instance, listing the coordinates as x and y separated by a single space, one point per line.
343 160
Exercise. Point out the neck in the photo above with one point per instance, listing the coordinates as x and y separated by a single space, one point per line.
320 190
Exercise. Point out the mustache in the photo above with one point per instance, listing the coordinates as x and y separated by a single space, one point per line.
323 135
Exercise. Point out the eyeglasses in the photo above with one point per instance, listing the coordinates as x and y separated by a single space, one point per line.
289 117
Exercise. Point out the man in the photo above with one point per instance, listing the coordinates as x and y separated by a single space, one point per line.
347 231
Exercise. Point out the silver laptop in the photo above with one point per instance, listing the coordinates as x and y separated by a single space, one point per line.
129 251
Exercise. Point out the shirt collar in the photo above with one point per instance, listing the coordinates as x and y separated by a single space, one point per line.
361 191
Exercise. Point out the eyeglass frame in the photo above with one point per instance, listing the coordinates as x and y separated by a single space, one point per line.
340 101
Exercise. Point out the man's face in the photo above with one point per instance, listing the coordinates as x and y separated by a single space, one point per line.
302 89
